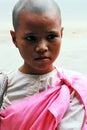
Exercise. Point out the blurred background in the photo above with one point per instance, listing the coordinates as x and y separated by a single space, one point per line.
73 53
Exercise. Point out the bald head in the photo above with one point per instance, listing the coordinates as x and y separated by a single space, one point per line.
35 6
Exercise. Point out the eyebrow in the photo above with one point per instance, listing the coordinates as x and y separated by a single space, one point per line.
54 31
29 33
48 32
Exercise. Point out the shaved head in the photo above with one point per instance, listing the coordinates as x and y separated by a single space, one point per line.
34 6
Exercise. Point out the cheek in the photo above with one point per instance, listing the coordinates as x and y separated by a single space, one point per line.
56 50
24 51
56 47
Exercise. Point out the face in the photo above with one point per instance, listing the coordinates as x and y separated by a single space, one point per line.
38 38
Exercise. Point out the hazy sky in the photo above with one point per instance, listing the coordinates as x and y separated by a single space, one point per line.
71 9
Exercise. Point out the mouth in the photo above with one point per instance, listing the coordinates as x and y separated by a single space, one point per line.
42 58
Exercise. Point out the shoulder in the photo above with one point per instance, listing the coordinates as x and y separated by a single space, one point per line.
3 79
75 79
15 77
72 74
3 84
14 74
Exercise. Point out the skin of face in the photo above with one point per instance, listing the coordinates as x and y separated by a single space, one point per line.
38 38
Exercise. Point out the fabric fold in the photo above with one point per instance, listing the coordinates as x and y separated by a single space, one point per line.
33 112
44 111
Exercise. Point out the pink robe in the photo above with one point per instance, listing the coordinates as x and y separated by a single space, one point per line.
45 110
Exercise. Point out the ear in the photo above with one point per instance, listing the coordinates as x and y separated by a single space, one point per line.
13 35
62 31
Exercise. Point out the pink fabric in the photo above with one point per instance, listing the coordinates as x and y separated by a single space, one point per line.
77 82
44 111
32 113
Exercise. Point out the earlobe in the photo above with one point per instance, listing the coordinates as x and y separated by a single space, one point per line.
62 31
13 35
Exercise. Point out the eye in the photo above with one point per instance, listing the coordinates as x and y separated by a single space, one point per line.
31 38
51 36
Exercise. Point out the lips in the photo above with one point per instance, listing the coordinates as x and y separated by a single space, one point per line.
42 58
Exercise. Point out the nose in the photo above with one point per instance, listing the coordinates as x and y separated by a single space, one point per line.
41 46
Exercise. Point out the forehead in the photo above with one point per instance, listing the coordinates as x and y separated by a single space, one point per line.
28 18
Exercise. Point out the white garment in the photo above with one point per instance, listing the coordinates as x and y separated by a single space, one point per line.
22 85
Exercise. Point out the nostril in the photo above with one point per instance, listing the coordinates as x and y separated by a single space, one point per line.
41 51
41 48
